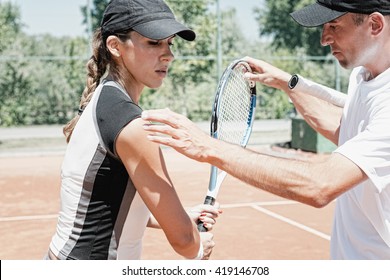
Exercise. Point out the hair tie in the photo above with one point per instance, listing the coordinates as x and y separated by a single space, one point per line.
80 111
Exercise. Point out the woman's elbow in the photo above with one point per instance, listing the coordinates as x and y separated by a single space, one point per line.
184 243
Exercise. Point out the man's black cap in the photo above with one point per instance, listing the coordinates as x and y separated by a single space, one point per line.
324 11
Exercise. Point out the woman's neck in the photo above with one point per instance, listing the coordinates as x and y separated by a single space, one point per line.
132 88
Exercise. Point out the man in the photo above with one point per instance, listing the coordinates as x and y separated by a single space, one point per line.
358 172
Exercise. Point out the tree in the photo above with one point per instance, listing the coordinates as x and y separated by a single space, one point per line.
94 13
38 91
44 85
274 21
13 84
10 23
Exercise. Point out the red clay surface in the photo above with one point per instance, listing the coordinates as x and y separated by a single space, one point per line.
255 225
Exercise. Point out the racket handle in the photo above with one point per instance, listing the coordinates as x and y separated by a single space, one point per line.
208 201
201 227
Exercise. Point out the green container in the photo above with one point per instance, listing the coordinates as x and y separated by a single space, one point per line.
305 138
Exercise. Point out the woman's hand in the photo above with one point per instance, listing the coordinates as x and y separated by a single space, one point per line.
206 214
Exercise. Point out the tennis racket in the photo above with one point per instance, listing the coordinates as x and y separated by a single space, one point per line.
232 118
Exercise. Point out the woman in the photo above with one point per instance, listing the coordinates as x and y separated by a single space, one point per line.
114 183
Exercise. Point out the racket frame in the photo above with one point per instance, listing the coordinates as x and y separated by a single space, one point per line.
215 179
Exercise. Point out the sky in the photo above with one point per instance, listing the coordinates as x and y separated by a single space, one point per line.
63 17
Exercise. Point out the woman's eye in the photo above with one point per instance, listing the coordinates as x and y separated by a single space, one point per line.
157 43
154 43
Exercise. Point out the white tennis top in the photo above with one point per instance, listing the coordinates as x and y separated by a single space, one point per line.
102 215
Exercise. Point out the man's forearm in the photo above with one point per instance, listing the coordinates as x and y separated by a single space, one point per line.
287 178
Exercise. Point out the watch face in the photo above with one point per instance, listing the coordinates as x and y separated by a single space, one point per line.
293 81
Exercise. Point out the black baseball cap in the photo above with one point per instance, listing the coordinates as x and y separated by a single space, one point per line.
324 11
151 18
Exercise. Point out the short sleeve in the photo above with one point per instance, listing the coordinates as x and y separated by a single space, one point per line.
370 150
114 110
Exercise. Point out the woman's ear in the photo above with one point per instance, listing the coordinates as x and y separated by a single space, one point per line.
112 44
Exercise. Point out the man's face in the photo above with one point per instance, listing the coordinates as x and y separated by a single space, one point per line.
348 41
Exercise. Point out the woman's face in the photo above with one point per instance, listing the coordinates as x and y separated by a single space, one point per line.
146 61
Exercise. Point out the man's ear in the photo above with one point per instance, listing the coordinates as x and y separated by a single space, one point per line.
112 44
377 21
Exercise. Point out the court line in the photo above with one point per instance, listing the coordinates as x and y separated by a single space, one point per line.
257 206
251 204
254 205
54 216
291 222
28 218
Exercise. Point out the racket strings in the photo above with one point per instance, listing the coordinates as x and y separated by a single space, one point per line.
235 108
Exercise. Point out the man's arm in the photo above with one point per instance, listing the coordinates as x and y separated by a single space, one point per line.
314 184
322 116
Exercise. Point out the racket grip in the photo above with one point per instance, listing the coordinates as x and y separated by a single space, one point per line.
209 200
201 227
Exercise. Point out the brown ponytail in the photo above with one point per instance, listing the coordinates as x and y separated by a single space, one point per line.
96 66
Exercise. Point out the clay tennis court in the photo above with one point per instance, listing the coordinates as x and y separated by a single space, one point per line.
254 224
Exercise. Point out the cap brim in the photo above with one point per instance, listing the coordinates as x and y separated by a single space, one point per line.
164 28
315 15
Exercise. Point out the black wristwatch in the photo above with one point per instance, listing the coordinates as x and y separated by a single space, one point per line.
293 81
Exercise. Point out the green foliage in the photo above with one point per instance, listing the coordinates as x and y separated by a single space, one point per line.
44 90
9 24
42 77
95 13
186 74
274 21
14 94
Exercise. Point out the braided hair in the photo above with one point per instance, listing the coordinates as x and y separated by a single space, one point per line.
97 66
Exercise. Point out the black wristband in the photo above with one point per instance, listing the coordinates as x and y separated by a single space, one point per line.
293 81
